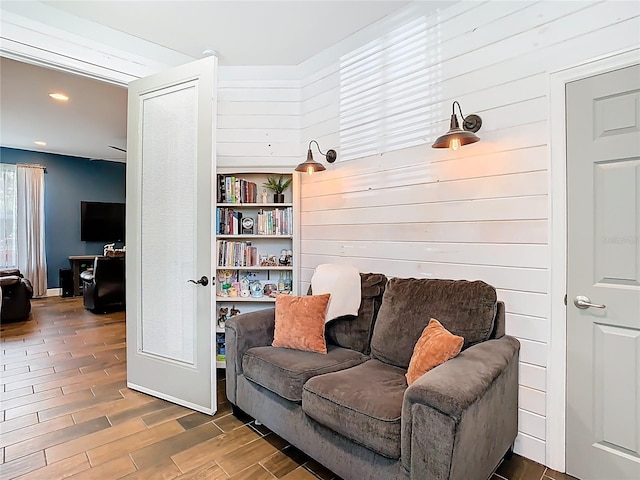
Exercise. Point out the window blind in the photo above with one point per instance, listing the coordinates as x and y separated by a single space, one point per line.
386 102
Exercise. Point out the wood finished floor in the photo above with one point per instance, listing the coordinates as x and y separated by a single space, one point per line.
66 413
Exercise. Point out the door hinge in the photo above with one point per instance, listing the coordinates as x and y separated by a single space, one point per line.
565 298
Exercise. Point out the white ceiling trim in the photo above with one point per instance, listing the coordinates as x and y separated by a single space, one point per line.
25 38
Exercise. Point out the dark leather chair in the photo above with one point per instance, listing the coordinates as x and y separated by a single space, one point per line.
16 295
103 287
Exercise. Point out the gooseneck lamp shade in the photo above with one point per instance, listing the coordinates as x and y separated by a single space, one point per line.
456 137
310 165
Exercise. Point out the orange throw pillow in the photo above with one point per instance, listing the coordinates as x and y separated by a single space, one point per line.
435 346
300 322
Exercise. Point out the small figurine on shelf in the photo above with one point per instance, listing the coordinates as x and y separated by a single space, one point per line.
245 286
268 261
224 276
285 258
234 311
264 195
256 289
222 316
270 290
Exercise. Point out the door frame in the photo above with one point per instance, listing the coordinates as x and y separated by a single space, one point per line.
555 448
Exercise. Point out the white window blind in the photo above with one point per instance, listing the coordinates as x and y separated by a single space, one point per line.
8 216
388 92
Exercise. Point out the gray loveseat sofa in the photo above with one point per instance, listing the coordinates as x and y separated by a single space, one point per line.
351 409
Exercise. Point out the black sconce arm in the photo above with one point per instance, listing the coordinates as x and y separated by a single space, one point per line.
331 154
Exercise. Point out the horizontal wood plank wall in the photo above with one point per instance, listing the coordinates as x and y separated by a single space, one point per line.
481 212
258 120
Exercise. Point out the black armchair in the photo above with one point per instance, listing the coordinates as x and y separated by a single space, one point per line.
16 295
104 286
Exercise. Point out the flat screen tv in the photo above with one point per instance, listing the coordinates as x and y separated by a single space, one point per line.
101 222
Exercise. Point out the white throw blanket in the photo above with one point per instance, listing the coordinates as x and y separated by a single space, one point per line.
343 283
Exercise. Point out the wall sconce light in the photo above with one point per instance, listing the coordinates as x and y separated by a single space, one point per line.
456 137
310 165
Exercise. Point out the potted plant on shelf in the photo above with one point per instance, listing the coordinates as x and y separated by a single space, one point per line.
277 186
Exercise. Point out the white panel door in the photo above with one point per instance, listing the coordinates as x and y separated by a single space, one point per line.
170 160
603 340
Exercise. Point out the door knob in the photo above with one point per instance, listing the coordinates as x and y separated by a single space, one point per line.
583 302
204 281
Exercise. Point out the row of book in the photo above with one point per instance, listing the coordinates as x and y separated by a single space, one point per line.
236 190
237 254
278 221
221 348
229 222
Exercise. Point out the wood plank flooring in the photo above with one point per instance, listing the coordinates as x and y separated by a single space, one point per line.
66 413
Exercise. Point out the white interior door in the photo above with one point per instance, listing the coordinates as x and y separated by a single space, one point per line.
170 160
603 340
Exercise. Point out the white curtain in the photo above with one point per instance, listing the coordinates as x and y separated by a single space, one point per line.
8 251
31 252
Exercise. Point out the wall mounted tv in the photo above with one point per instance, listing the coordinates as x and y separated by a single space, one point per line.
101 222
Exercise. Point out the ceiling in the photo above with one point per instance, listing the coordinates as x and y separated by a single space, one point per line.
94 117
241 32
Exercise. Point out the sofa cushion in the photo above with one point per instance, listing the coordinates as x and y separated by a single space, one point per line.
355 332
435 346
284 371
362 403
465 308
300 322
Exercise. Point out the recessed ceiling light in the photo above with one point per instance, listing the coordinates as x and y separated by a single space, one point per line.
41 143
59 96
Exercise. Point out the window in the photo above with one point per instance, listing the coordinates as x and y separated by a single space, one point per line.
389 91
8 216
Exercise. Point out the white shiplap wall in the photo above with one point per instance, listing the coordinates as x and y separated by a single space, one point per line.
481 212
258 117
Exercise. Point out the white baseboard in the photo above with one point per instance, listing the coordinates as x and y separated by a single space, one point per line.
53 292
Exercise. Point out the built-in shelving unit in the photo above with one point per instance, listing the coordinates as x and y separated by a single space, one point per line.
261 252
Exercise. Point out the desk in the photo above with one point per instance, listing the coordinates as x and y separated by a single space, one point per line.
76 263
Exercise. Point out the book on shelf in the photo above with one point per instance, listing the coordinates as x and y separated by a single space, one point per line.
220 347
228 221
232 189
237 254
278 221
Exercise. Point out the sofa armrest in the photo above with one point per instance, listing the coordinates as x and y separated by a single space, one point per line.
10 272
468 401
243 332
28 287
9 280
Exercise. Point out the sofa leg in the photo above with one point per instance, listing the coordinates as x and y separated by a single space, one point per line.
509 454
236 411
